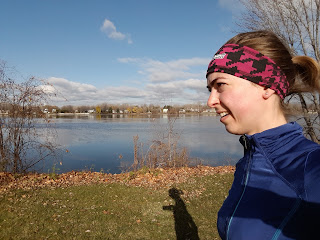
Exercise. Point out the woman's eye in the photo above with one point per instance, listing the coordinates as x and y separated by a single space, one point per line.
219 84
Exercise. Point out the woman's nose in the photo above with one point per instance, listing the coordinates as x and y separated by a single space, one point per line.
213 98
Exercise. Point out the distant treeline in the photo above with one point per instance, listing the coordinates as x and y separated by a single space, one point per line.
126 108
293 108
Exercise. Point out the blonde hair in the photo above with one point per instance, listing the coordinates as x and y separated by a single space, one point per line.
302 72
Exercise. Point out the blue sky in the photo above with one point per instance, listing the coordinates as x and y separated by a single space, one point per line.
117 51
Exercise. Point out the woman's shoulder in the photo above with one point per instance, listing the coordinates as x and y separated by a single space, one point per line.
300 141
313 158
312 175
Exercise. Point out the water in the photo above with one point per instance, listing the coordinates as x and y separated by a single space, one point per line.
106 142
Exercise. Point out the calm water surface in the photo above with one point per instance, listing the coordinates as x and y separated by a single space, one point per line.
106 142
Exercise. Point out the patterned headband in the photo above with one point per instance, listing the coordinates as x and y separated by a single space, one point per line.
249 64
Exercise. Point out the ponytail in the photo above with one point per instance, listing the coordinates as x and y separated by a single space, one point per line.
307 71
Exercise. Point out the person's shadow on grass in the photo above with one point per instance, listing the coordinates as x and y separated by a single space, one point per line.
185 227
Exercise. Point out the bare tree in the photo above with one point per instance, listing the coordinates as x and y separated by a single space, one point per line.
68 109
25 133
297 23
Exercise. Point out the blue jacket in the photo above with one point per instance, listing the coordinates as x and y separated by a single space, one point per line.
276 188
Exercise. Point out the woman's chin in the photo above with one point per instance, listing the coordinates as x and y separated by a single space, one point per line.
233 130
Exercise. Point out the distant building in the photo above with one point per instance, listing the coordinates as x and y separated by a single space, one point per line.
165 110
211 110
4 111
194 110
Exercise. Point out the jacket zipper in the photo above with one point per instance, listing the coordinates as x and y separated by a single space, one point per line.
246 146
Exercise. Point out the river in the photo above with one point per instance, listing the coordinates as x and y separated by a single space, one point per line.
105 143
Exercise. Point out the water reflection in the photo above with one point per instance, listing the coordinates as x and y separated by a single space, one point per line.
106 142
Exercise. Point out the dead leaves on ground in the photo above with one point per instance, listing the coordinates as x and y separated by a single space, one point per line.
152 178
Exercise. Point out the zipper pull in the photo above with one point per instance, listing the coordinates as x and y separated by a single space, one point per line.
245 142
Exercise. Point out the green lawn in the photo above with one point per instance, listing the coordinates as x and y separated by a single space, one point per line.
115 211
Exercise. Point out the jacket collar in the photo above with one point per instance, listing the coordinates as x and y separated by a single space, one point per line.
272 138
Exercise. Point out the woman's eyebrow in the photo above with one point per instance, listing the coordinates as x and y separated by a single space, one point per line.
210 84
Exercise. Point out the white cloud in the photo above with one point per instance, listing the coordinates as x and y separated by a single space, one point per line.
74 93
182 91
180 81
110 29
178 86
158 71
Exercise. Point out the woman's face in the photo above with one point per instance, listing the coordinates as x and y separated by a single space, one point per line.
238 102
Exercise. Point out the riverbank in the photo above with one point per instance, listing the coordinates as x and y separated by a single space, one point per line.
151 178
154 204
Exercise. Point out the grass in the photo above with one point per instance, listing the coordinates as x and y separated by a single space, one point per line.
115 211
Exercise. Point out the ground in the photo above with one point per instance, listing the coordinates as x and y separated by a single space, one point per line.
153 178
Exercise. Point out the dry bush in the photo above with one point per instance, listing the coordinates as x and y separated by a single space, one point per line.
164 149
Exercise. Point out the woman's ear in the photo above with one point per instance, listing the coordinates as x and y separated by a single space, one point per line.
267 93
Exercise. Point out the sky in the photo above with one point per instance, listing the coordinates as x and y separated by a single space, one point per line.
117 51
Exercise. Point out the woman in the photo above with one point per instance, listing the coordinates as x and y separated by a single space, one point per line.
276 188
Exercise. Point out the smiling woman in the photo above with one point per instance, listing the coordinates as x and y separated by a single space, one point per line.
276 188
241 106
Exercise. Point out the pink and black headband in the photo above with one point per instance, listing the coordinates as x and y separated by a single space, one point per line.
249 64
